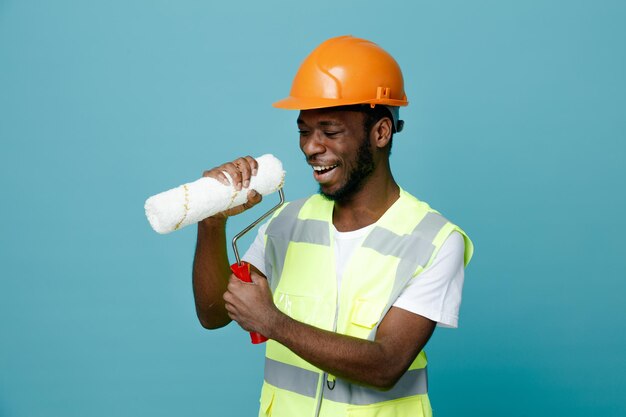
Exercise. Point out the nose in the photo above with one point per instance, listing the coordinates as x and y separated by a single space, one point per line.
312 145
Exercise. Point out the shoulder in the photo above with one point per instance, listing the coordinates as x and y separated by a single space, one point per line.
439 228
295 215
312 207
453 247
292 208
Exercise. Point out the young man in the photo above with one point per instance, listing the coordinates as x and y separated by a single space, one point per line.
348 284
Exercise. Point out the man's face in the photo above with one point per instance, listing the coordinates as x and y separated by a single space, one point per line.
338 149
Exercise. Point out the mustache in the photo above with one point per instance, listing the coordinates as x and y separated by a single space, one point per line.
313 160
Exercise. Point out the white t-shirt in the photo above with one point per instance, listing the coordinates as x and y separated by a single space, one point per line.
435 294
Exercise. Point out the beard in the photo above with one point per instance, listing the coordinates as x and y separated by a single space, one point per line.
364 166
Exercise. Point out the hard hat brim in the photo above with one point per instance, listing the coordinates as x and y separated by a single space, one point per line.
300 103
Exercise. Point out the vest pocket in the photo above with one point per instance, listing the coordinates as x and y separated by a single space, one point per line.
365 313
415 406
303 308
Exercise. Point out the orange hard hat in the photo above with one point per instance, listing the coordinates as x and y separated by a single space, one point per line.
343 71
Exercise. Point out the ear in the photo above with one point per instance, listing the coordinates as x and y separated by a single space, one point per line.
381 132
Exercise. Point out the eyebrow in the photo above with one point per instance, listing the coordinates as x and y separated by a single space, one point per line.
322 123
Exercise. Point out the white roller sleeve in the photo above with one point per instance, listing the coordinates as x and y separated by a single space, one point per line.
192 202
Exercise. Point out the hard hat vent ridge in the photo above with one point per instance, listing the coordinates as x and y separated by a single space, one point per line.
331 84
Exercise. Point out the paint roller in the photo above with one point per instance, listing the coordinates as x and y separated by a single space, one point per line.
192 202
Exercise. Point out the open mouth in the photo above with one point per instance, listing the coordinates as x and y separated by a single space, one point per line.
320 170
323 173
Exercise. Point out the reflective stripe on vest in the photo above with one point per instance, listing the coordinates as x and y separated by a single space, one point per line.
291 378
304 382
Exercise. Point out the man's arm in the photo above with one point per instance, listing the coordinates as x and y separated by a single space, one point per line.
379 363
210 273
210 265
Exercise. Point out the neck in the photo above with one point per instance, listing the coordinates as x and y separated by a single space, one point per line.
367 205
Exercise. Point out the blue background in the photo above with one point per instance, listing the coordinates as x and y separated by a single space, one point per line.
515 131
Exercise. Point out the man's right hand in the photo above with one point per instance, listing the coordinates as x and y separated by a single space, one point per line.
241 170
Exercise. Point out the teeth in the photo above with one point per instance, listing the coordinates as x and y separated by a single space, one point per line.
323 168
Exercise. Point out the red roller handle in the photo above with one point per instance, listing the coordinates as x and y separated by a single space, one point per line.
242 271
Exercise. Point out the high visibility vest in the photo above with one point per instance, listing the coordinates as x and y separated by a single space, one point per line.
300 266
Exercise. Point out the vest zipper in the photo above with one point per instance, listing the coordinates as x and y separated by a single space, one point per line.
320 389
325 375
